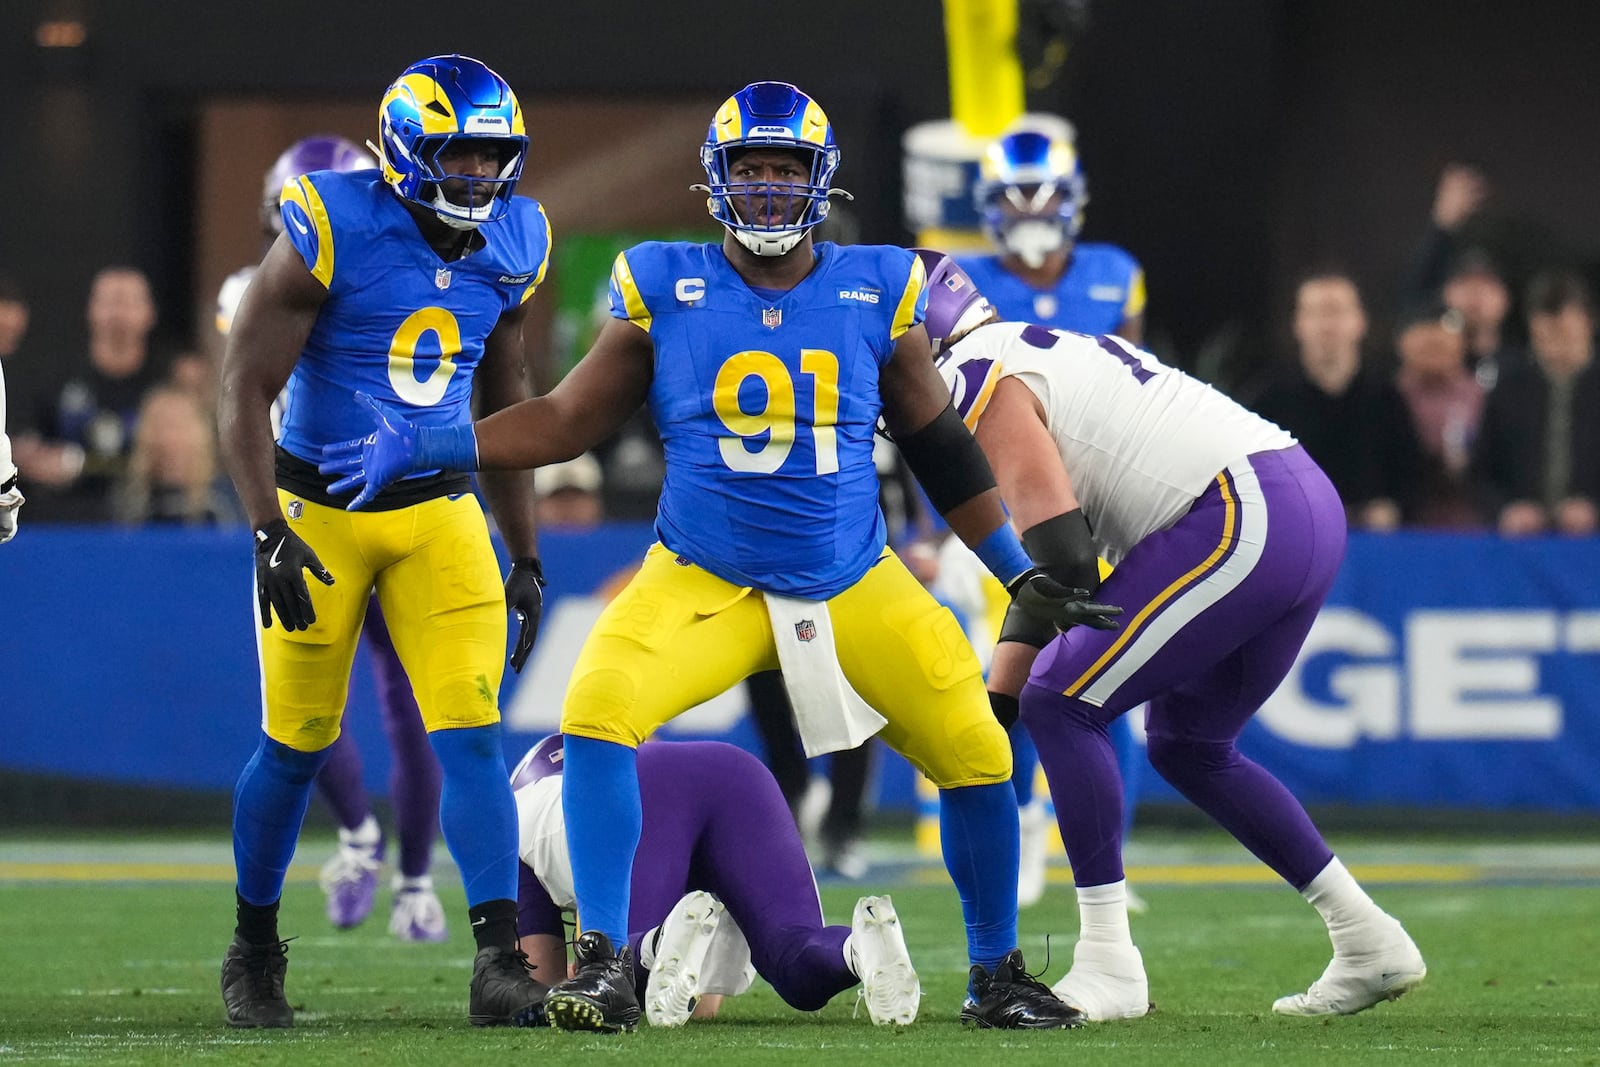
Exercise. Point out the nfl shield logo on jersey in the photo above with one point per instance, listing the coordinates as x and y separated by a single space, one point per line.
771 318
805 629
441 278
296 509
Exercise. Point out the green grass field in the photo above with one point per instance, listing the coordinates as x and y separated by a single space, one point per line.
115 962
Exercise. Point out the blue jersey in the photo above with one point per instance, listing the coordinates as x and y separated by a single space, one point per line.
766 407
399 323
1103 286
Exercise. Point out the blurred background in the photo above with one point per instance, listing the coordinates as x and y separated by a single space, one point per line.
1234 148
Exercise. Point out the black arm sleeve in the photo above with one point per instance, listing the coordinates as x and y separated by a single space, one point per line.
1062 547
947 461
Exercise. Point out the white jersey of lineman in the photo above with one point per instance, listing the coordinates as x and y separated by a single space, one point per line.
228 298
1140 440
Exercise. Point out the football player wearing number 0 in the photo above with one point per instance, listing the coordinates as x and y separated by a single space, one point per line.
766 361
406 283
1225 537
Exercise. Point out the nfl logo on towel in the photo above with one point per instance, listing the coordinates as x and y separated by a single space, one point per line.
771 318
805 629
441 278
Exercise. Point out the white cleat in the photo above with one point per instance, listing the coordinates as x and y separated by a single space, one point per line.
878 951
1356 981
681 946
1034 823
1106 982
416 914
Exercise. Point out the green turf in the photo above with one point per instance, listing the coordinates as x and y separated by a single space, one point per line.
125 973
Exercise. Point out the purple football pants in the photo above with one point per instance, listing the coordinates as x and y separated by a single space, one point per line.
1216 608
414 776
715 820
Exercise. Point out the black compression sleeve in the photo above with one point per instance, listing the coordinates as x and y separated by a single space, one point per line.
1063 548
947 462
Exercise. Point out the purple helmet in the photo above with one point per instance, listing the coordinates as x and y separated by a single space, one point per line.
303 157
955 307
542 760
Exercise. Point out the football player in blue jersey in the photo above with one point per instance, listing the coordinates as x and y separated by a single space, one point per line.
1031 194
350 876
766 361
410 283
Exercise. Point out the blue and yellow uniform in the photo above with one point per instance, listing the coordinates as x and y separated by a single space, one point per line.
766 403
1102 287
408 328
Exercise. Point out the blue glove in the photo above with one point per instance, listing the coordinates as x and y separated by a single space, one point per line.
397 447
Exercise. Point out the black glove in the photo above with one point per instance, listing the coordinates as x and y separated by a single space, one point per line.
1047 600
280 558
525 596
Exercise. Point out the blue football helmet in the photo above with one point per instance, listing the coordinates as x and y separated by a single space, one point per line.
769 115
1031 193
303 157
434 103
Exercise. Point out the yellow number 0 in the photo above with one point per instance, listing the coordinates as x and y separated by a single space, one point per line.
403 356
777 417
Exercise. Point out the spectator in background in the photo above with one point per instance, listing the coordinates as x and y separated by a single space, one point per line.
75 447
1477 290
173 477
1350 418
1537 461
567 495
1446 403
1452 263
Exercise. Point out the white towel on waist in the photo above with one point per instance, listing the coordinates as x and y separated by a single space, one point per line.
829 715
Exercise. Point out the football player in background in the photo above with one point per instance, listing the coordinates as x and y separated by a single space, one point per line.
766 361
11 499
701 913
409 283
350 877
1226 538
1031 194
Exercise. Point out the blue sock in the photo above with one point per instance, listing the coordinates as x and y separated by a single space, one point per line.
1130 764
600 800
978 834
477 811
1024 764
269 804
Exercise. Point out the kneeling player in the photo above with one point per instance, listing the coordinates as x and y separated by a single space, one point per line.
721 883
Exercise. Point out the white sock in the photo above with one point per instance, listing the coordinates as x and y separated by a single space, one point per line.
647 948
364 836
1103 913
421 883
1343 905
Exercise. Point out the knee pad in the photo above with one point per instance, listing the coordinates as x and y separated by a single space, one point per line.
599 704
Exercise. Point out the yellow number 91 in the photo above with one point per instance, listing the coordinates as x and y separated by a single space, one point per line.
777 417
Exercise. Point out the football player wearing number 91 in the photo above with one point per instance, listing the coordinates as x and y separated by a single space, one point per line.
766 361
1226 538
407 283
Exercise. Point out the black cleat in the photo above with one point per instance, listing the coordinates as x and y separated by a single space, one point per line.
601 995
503 991
1013 999
252 984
